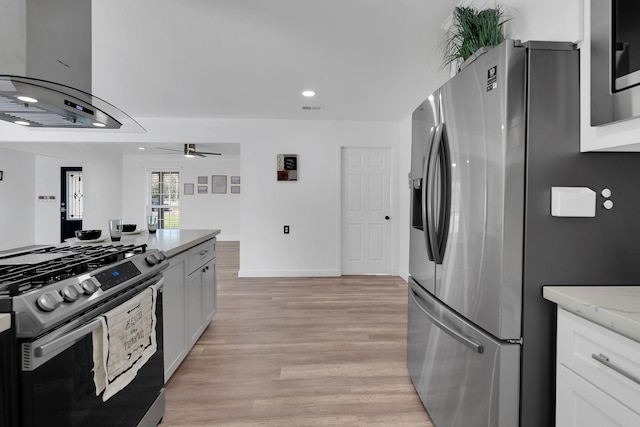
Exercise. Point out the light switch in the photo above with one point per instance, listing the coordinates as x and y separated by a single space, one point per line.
573 202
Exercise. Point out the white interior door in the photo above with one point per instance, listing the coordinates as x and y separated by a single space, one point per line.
366 211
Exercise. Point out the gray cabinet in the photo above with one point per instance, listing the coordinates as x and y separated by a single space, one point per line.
189 301
200 287
174 314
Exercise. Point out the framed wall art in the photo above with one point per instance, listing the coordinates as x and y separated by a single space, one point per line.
235 180
202 180
235 189
219 184
202 189
188 188
287 167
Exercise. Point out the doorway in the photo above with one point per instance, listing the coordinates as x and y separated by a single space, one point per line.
71 201
366 211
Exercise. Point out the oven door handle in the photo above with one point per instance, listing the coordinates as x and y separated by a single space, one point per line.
67 339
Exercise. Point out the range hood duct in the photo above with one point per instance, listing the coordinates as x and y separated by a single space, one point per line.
58 73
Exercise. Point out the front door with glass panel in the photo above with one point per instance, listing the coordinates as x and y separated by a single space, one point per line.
71 201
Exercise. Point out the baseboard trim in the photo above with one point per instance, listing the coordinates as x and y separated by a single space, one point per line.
288 273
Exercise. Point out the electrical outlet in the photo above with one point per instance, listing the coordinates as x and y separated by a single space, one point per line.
286 229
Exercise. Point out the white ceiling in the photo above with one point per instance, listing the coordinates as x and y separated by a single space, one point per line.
367 60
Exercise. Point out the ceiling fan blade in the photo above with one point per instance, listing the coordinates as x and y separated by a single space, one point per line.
199 154
169 149
206 152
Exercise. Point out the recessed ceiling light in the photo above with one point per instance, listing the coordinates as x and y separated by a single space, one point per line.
23 123
142 148
308 93
99 125
27 99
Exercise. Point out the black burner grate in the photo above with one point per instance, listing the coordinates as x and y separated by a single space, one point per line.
75 260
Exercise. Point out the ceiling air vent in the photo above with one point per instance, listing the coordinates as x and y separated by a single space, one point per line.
312 108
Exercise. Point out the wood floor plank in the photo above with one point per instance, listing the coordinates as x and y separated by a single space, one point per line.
298 352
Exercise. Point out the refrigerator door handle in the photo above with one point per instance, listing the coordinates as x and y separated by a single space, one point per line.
439 202
467 341
429 198
428 231
445 197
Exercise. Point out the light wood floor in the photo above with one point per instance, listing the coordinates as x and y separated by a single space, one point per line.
298 352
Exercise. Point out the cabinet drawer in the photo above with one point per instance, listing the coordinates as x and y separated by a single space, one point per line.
201 254
617 372
580 403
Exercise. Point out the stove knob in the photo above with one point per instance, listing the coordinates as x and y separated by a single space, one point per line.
49 301
71 293
161 256
152 259
89 287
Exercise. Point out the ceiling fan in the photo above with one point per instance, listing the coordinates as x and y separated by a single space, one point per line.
190 151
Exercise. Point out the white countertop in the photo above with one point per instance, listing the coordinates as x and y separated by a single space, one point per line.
614 307
5 322
172 242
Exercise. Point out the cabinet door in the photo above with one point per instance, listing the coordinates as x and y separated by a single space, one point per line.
175 337
194 305
580 403
209 290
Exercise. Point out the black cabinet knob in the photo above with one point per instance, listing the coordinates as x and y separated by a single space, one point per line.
387 217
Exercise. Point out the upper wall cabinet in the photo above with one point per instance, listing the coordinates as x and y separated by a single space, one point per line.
610 78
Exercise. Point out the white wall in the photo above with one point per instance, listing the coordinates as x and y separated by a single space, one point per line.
17 199
403 198
198 211
310 206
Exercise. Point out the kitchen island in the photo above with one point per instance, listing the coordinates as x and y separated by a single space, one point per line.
598 355
190 287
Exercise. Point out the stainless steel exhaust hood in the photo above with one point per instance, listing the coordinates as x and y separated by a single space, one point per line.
55 92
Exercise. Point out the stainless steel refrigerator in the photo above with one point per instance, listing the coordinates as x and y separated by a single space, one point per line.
487 149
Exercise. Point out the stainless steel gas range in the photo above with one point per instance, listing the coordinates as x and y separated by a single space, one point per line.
85 347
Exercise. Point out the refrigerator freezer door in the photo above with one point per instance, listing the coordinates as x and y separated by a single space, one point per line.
463 376
484 118
421 265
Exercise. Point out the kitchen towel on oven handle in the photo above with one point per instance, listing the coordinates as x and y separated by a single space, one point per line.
124 342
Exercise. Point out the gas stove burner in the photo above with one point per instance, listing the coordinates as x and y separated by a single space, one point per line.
24 271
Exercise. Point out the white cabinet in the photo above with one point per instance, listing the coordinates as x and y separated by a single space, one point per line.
189 301
598 375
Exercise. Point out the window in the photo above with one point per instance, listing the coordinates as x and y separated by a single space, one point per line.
74 211
165 198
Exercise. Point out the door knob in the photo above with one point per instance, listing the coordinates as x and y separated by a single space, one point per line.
387 217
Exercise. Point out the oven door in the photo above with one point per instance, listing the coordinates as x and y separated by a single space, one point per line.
58 389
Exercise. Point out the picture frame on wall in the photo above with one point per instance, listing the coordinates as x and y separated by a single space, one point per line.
188 188
218 184
202 189
235 180
235 189
202 180
287 167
